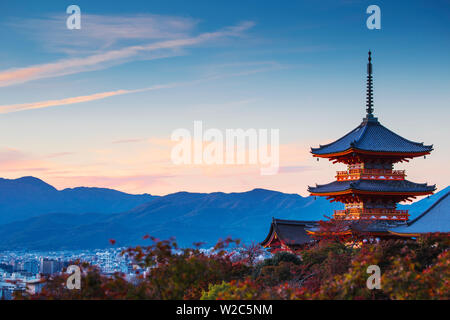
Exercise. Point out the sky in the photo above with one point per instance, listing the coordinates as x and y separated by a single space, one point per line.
97 106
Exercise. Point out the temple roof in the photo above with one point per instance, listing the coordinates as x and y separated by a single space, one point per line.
363 226
374 225
289 232
371 135
435 219
373 186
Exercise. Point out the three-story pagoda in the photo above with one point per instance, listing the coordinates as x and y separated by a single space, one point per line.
370 188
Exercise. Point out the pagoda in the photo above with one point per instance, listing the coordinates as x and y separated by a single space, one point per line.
370 188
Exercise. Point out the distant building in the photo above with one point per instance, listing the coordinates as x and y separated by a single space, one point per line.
435 219
50 266
288 234
6 290
35 286
8 268
31 266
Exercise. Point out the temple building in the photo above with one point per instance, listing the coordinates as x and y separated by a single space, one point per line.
288 234
370 188
436 219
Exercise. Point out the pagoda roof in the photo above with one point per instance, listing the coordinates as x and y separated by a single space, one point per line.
377 226
433 220
372 136
289 232
382 186
363 226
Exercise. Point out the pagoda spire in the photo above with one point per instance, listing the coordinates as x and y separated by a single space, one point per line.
369 94
369 97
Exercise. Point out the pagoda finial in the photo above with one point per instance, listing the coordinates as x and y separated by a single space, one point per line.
369 98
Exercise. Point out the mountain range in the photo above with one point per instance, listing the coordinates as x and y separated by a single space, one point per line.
28 197
36 216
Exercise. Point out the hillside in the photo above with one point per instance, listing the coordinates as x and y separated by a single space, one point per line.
28 197
190 217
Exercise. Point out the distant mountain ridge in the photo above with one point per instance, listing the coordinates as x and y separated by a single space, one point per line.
27 197
189 217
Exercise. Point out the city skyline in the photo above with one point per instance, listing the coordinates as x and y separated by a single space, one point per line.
97 106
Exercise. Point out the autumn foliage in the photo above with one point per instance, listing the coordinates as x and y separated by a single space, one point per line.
328 269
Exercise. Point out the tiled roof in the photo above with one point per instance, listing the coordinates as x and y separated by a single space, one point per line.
434 219
374 225
373 186
364 226
291 232
371 135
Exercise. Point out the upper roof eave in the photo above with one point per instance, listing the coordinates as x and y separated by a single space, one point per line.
371 136
362 151
373 186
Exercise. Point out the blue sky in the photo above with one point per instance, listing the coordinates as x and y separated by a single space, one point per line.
298 66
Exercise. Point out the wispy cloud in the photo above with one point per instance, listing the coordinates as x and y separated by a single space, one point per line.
13 160
101 31
128 141
60 102
116 56
59 154
291 169
73 100
131 183
102 95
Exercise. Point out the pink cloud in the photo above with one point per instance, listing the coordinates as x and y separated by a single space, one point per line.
291 169
132 183
60 102
13 160
103 95
59 154
79 99
128 141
